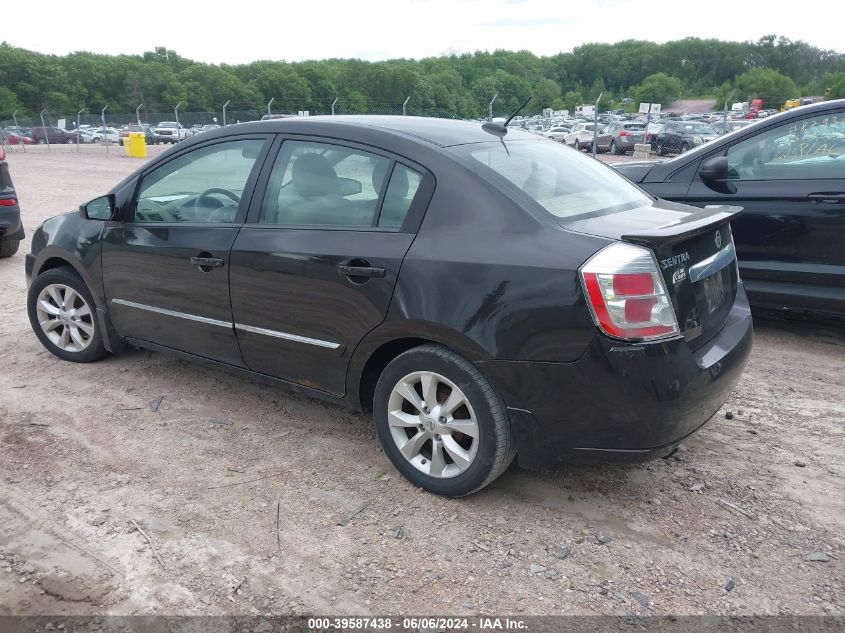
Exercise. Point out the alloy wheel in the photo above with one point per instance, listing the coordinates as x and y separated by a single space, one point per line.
433 424
65 317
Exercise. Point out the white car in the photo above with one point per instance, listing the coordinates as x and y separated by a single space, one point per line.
581 136
108 134
558 133
86 134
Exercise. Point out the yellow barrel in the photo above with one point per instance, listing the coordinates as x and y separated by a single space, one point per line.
136 145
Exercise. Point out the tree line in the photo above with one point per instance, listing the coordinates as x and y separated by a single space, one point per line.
773 68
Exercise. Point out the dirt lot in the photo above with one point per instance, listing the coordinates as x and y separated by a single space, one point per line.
240 488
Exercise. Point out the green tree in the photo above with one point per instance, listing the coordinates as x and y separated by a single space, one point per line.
767 84
545 93
658 88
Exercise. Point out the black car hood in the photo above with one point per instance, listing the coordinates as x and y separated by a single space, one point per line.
635 171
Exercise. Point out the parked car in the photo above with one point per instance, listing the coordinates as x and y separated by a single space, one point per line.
11 228
171 132
723 127
581 136
620 138
107 134
315 254
149 137
789 176
55 135
15 138
558 133
681 136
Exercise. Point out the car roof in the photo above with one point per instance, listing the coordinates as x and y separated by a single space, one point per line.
440 132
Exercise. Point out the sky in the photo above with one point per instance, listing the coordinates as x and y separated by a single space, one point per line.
244 31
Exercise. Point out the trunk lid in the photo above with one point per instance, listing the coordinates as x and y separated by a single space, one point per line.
694 251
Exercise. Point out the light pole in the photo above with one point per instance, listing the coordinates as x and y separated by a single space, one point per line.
596 123
176 114
103 120
138 113
44 127
18 129
490 107
269 103
224 112
404 104
78 121
334 103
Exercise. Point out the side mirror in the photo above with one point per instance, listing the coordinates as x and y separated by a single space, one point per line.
101 208
714 169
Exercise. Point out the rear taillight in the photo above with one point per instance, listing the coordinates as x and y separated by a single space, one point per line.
2 154
627 295
8 202
624 133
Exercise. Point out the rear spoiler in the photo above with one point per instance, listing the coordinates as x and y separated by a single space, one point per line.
711 217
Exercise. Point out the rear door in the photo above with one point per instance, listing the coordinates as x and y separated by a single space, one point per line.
313 269
166 268
790 180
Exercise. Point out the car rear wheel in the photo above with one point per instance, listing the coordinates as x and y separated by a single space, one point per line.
9 248
577 145
63 316
660 151
441 423
614 149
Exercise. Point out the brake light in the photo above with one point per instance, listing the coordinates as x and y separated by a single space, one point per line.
8 202
627 295
624 133
2 154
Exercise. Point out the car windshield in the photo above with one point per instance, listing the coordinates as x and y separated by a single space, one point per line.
167 124
698 128
564 182
634 126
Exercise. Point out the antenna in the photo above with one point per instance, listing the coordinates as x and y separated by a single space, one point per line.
500 129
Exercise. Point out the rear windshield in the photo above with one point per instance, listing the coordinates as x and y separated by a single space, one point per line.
634 126
698 128
563 181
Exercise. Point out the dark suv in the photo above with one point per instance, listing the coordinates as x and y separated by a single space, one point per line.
788 172
681 136
55 135
11 229
486 292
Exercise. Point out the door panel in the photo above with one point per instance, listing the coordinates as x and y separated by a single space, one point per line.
156 294
297 316
166 268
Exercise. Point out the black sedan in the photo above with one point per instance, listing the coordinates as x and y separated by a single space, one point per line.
485 292
788 172
11 229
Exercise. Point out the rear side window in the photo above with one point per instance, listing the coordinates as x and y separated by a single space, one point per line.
403 186
321 184
564 182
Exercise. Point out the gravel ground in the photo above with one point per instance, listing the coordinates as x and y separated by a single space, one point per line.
238 489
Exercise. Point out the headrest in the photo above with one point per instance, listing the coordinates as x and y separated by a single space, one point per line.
313 176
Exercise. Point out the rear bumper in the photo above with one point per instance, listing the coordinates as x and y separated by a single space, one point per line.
10 223
621 401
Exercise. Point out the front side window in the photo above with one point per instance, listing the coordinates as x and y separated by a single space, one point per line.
810 148
321 184
565 183
205 185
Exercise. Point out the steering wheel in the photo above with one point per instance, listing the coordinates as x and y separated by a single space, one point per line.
206 195
147 207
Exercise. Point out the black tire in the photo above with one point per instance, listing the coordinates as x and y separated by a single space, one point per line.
95 349
685 148
42 141
660 151
577 145
9 248
495 450
614 149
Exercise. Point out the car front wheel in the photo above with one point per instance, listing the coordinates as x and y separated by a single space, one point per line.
441 422
62 315
9 248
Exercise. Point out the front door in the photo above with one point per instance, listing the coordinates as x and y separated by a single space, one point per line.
791 182
166 269
313 269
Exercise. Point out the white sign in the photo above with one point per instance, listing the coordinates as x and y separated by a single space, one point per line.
61 124
655 108
304 113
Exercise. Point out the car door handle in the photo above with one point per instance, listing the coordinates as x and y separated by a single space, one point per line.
831 197
207 262
361 271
